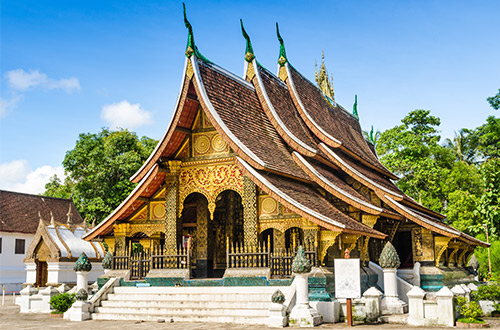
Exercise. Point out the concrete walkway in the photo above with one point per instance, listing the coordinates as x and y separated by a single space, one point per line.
10 318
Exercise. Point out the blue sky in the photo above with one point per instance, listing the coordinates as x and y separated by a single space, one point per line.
69 67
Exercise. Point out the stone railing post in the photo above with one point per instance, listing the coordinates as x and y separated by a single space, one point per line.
372 298
277 311
445 312
82 268
302 314
416 306
416 274
389 261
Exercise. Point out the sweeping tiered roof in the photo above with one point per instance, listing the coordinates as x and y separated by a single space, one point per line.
288 138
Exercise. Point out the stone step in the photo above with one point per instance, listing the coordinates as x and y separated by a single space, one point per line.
183 311
199 289
240 319
190 297
187 304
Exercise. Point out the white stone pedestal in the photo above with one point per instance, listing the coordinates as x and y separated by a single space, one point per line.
78 312
82 280
373 302
416 306
303 315
277 316
391 304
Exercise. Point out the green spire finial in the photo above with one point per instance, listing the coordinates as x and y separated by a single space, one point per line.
190 48
249 55
355 107
83 264
371 135
301 264
282 57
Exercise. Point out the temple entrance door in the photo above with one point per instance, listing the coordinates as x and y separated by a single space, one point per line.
208 252
41 273
403 244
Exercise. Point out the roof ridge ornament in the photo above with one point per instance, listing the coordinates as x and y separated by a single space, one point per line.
70 215
191 46
355 108
249 54
52 220
282 59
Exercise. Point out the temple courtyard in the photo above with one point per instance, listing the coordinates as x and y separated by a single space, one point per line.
10 318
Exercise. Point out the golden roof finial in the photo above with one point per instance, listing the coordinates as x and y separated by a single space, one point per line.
69 214
52 220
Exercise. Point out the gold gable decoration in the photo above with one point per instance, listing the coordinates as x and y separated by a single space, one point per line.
209 180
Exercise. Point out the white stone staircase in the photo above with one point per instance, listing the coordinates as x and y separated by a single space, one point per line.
243 305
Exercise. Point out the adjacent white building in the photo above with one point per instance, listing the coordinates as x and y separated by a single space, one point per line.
19 218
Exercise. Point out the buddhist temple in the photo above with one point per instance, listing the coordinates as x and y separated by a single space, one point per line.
249 168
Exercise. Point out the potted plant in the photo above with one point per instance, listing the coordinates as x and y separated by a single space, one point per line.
61 303
470 312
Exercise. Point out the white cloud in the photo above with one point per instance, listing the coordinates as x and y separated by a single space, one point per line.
7 105
125 115
18 176
22 81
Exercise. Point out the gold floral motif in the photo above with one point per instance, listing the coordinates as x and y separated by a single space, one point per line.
158 210
209 181
268 205
327 239
218 143
201 144
440 245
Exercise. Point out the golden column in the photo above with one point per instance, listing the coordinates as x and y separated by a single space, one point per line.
171 205
250 212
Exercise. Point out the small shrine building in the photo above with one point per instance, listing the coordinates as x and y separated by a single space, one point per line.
251 167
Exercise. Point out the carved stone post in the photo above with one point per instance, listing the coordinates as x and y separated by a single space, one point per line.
302 314
250 212
389 261
172 205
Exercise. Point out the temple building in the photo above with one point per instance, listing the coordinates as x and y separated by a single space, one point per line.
251 167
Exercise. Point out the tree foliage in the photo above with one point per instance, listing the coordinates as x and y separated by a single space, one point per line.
98 169
494 101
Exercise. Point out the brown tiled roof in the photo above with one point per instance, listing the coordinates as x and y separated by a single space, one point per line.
239 108
334 120
282 103
302 199
19 212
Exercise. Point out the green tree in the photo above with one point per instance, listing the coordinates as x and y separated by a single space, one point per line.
488 208
464 145
488 137
412 151
98 170
495 100
55 188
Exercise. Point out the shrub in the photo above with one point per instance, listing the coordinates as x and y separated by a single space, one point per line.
471 310
62 302
487 292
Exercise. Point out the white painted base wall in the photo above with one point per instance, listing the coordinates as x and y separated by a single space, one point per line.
12 273
61 272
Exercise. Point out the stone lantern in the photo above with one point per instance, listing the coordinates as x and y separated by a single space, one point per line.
302 314
389 261
82 268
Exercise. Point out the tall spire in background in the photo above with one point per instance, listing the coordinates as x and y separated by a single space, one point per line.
325 83
355 107
249 55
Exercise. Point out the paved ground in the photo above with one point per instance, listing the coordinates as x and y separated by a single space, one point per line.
10 318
